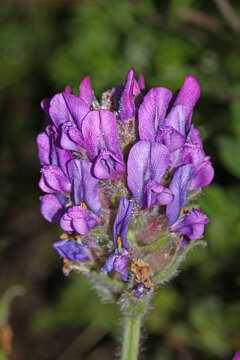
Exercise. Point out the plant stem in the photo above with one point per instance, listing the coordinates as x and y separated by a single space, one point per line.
131 337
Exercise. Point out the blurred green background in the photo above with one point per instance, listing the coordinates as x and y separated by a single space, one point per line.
45 45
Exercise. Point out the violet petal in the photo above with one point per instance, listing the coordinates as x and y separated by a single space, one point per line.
192 224
86 92
188 95
54 178
84 185
146 161
126 106
152 112
156 193
178 187
120 226
72 250
52 207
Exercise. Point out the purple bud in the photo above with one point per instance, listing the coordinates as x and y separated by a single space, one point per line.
126 106
139 290
86 91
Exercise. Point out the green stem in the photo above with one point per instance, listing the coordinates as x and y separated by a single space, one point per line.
131 337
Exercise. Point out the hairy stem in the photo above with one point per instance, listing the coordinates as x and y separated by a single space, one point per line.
131 337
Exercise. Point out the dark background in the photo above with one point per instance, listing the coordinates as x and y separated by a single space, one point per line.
45 45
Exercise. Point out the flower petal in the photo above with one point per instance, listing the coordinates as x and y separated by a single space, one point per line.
43 148
126 106
52 207
171 138
72 250
84 185
67 107
55 178
86 92
192 224
107 165
178 187
177 118
137 166
203 176
152 112
156 193
188 95
120 227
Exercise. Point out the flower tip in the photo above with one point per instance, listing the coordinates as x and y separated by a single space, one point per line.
193 85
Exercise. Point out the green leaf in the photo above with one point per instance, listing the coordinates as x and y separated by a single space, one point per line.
229 149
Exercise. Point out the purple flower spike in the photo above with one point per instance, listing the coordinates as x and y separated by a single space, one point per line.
178 187
152 112
54 180
117 262
139 290
237 356
79 219
100 134
73 250
156 193
126 106
120 227
53 206
192 224
188 95
84 185
86 92
146 161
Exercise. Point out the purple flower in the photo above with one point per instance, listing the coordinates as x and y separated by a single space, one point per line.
67 112
147 163
139 290
100 134
191 224
119 259
73 250
78 218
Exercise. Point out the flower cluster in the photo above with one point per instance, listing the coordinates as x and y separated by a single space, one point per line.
120 176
